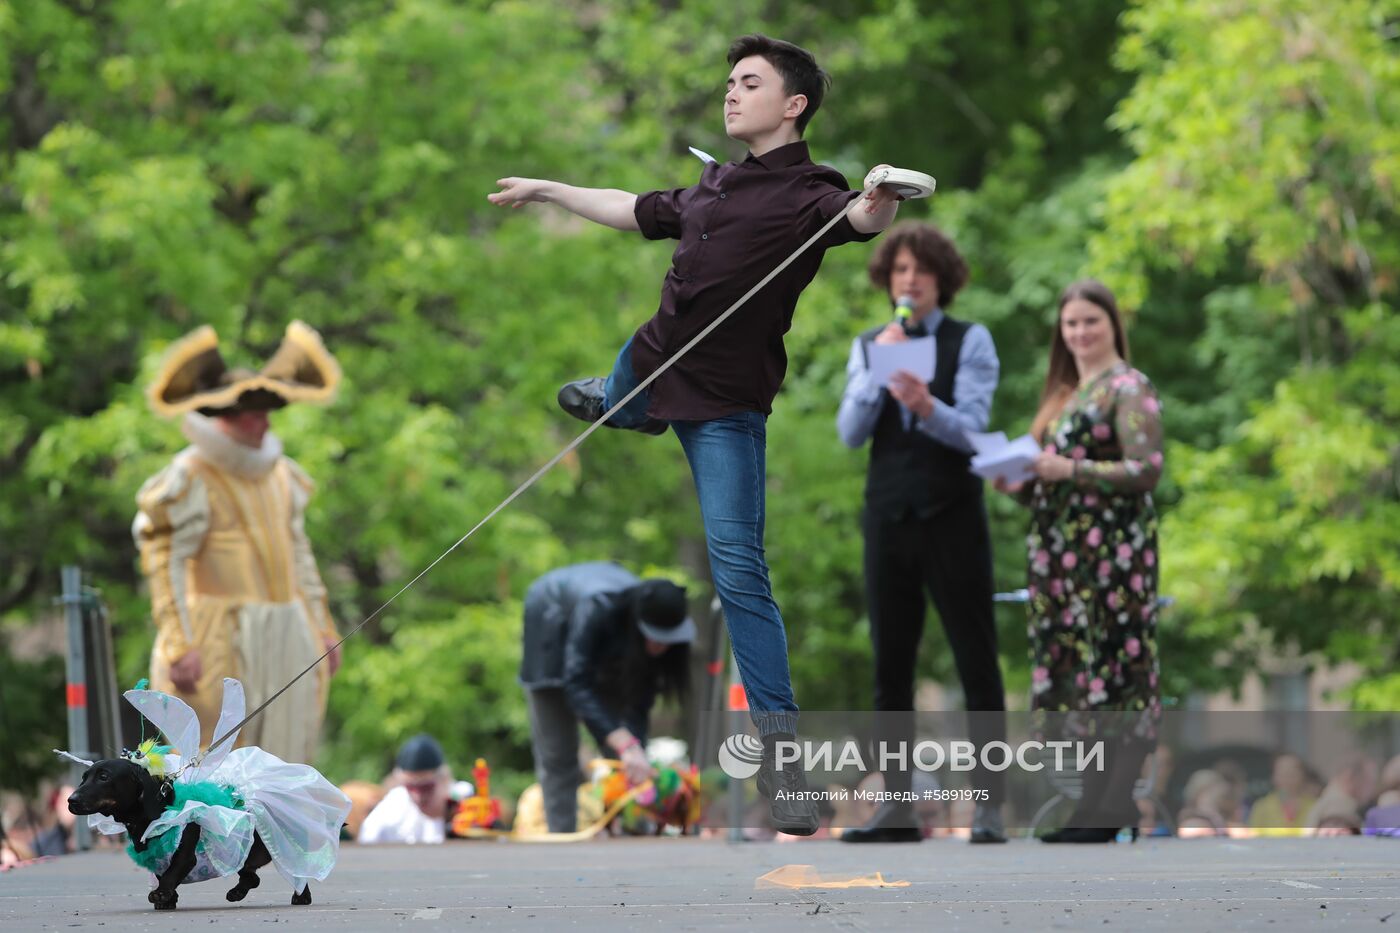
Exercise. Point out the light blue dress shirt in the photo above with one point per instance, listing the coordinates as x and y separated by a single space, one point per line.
973 387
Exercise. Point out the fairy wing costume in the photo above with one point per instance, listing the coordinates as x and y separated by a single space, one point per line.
230 794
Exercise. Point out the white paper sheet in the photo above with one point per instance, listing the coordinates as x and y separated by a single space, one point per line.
913 356
985 443
1010 460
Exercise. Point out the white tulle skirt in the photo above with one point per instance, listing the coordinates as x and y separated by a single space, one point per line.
296 811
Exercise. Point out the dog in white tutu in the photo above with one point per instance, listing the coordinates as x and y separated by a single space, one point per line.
230 812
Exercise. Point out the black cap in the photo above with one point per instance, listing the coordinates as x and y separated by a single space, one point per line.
660 610
420 753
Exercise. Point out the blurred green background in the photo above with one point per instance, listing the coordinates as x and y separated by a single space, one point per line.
1229 166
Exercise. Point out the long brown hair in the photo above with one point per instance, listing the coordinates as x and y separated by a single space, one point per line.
1062 378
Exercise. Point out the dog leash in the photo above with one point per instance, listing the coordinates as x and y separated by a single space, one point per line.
873 181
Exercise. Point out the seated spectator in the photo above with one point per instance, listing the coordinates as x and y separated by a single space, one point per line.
414 810
1390 775
1237 777
1383 819
1208 805
364 797
1284 811
23 834
1339 806
1156 773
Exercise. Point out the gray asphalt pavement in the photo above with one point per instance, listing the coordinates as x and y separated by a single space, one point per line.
692 884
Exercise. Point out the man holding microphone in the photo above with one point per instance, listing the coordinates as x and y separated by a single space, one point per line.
924 523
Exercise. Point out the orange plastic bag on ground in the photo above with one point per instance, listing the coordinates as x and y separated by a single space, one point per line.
805 876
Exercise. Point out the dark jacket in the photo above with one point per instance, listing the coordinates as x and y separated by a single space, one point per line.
577 623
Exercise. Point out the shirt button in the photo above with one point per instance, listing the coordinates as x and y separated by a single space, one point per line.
722 195
704 236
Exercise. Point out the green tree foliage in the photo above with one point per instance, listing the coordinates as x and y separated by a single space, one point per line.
1267 149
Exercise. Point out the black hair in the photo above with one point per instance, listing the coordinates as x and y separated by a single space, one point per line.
799 69
628 678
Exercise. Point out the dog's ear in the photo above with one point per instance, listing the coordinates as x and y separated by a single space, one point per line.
155 795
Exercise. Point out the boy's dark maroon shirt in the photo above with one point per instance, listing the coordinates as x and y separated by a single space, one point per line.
735 226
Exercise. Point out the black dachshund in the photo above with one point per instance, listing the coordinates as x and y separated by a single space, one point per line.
127 792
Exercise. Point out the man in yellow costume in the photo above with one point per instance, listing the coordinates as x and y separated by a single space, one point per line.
234 587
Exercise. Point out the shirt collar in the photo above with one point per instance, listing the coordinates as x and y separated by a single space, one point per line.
934 318
226 453
782 157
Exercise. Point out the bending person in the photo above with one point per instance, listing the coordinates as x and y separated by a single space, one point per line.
600 646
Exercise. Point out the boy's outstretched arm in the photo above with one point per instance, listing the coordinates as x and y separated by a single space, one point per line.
607 206
879 208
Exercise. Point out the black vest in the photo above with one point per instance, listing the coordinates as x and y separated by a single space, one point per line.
910 472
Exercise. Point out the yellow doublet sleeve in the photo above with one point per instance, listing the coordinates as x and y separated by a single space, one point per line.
171 523
308 577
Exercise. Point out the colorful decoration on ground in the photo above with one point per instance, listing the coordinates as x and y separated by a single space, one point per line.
481 810
671 798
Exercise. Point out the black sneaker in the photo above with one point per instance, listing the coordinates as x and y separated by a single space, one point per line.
583 398
893 822
987 826
786 790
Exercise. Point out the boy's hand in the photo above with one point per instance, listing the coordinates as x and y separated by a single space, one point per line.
881 196
893 333
519 191
911 393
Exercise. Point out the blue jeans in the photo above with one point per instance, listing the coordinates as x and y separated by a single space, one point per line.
727 459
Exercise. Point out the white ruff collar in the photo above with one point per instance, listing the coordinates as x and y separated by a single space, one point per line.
225 452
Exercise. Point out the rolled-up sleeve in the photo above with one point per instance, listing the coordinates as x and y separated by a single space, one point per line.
658 213
860 403
825 203
973 388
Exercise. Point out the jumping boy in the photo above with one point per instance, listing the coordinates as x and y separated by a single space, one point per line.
737 224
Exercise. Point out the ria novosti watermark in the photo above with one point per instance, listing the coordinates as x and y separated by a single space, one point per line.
740 756
1183 769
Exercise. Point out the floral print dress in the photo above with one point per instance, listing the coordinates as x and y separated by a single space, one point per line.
1092 551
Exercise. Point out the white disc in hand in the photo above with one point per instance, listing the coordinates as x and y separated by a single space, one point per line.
909 183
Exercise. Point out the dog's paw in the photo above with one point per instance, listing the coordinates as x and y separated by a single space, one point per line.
163 901
301 899
236 894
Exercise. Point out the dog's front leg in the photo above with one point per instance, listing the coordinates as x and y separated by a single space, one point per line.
182 862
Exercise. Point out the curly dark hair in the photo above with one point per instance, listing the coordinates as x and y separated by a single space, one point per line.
932 250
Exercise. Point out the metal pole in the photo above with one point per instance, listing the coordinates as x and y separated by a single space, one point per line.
77 688
108 699
736 787
709 737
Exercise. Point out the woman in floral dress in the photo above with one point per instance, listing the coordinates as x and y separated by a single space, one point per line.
1092 550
